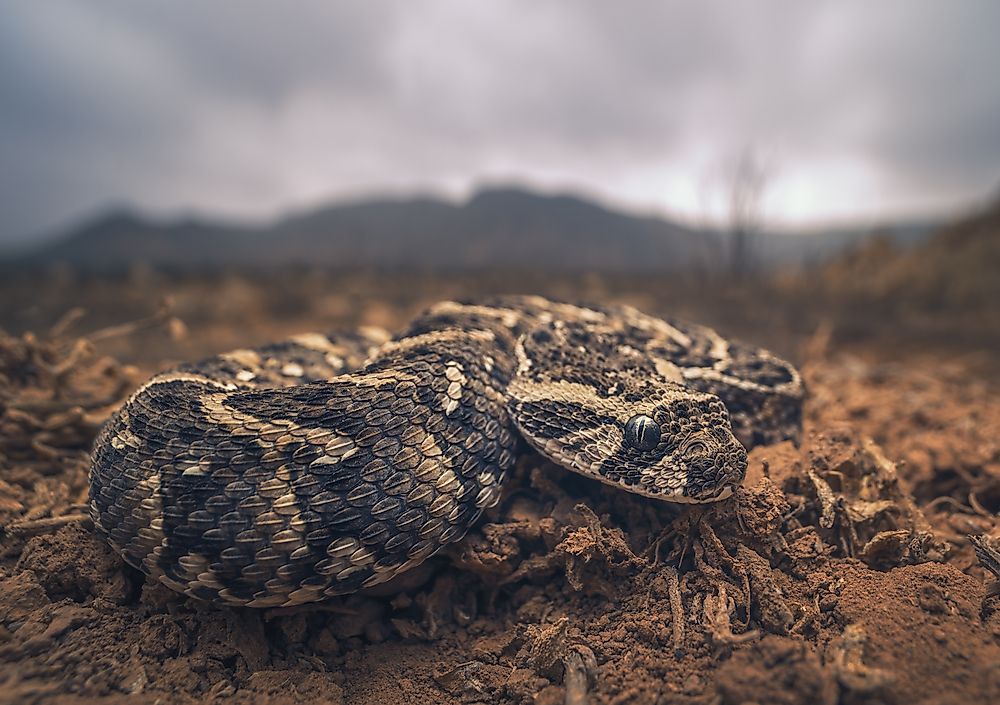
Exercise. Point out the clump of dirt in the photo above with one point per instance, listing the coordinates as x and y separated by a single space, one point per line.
940 421
841 572
54 396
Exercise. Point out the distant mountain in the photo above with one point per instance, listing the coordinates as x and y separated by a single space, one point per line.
820 245
496 228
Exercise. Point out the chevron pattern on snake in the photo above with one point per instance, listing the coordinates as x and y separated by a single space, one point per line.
321 465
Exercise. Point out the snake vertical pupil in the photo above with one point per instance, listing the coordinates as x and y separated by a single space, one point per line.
642 433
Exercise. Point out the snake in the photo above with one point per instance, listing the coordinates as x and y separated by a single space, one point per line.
323 464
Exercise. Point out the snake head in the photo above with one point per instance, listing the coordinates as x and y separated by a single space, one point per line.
590 403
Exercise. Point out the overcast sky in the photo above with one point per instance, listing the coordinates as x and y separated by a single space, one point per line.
858 110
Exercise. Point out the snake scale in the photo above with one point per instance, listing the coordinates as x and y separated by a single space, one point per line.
325 464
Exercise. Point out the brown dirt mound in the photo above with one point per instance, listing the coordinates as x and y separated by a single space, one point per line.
835 575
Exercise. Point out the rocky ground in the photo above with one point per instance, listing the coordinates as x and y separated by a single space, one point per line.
841 573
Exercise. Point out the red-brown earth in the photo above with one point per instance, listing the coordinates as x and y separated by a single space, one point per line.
841 572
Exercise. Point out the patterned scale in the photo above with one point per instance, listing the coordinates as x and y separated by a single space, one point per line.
320 465
578 387
279 496
762 393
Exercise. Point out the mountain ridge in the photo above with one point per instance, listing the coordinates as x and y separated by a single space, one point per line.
497 227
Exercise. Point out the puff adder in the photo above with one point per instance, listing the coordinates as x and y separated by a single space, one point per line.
324 464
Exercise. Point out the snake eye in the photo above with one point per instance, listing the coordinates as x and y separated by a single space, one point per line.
642 433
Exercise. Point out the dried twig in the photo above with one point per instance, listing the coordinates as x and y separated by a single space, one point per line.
676 610
40 526
720 631
987 550
575 679
846 658
162 315
67 321
827 500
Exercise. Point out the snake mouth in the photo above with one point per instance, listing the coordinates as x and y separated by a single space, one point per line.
712 477
717 495
721 493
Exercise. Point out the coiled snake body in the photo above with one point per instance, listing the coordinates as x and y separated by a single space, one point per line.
295 471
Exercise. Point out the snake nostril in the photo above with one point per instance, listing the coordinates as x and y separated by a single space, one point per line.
696 448
642 433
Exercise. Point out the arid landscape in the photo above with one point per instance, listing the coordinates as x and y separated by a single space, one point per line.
842 571
817 182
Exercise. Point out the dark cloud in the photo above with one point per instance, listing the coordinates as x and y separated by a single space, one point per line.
247 108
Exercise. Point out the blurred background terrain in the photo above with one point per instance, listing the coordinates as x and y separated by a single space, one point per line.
771 169
903 292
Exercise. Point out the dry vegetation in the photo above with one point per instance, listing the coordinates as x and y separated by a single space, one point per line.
946 291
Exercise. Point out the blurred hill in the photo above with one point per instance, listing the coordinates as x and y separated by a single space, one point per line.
958 268
498 228
945 291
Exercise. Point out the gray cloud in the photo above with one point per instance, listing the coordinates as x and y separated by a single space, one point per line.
245 109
